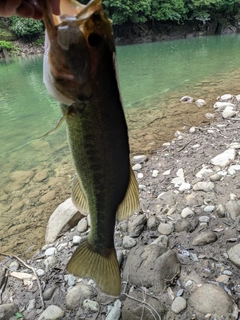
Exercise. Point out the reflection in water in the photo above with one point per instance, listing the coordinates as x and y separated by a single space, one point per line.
36 174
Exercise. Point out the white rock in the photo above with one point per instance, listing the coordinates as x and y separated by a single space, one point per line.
200 102
205 219
203 186
208 208
228 112
141 186
187 99
192 130
165 228
14 265
232 169
140 175
226 97
40 272
210 116
91 305
186 212
238 97
155 173
225 158
137 166
89 220
180 178
167 172
115 312
184 187
82 225
234 145
195 146
139 159
188 283
76 240
51 313
166 144
232 196
220 106
204 171
50 251
178 305
31 305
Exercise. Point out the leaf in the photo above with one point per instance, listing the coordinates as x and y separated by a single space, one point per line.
19 315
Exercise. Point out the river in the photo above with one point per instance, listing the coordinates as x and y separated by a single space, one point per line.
36 173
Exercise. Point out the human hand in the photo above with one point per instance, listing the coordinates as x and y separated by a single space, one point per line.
25 8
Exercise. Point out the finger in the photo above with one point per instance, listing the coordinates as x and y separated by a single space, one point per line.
25 10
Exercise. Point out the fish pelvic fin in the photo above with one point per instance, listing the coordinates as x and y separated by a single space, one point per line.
103 269
78 196
130 202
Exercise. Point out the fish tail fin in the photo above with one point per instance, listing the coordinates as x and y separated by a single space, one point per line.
104 269
130 202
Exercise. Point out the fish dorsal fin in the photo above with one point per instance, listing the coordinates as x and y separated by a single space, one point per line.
131 201
78 197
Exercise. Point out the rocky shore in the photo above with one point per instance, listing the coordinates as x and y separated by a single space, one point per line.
179 254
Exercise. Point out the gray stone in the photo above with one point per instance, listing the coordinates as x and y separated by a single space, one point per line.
129 242
82 225
134 310
208 208
119 256
178 305
71 280
40 176
50 251
14 265
7 310
161 241
48 197
139 159
51 313
211 299
91 305
165 228
203 186
50 262
234 255
182 225
152 222
135 227
215 177
148 266
136 167
31 305
48 293
186 212
77 295
221 211
205 219
40 272
233 209
204 238
60 219
115 312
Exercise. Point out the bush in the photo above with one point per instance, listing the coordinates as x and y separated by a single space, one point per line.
26 27
6 45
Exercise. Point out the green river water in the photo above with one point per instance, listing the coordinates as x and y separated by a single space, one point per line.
153 77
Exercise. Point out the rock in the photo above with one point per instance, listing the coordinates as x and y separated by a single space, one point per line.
40 176
200 102
204 238
186 212
51 313
155 173
184 186
204 219
211 299
22 177
223 279
221 211
232 169
187 99
152 222
210 116
82 225
129 242
139 159
149 266
50 262
233 209
183 225
71 280
140 175
40 272
115 312
135 227
134 310
60 219
161 241
208 209
76 240
48 197
226 97
178 305
179 179
14 265
203 186
50 251
136 167
220 106
192 130
31 305
166 228
7 310
48 293
215 177
119 256
91 305
77 295
234 255
225 158
228 112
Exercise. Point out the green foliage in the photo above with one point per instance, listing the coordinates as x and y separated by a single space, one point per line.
39 41
6 45
26 27
19 315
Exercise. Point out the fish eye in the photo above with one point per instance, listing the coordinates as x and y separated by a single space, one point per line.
94 40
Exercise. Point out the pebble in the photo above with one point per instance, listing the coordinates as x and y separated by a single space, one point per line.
178 305
31 305
155 173
119 256
226 97
234 255
71 280
129 242
182 225
51 313
208 208
89 220
137 166
200 102
186 212
48 293
204 238
76 240
223 279
166 228
220 106
115 312
135 227
233 209
161 241
203 186
48 197
192 130
228 112
91 305
140 175
152 222
187 99
221 211
225 158
139 159
82 225
50 261
215 177
50 251
40 272
184 186
205 219
188 283
180 292
14 265
77 295
227 272
167 172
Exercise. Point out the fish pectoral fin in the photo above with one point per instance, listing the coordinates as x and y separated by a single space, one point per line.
87 263
55 128
130 202
78 197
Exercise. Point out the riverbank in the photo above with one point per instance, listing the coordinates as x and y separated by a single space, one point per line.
187 229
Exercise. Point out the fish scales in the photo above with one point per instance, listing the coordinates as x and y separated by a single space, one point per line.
79 71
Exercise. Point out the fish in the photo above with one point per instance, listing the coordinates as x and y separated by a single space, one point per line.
80 73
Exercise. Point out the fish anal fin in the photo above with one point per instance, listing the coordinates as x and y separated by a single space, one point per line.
130 202
78 197
104 270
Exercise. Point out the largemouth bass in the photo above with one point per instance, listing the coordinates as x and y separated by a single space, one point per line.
79 71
